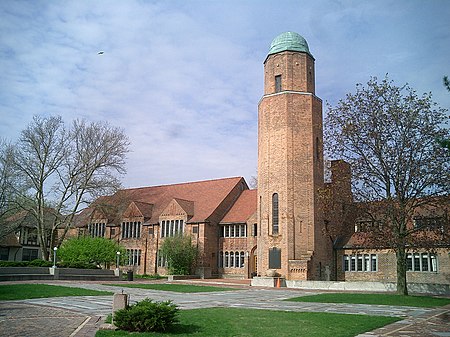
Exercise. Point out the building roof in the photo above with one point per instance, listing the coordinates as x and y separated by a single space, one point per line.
202 198
289 41
243 208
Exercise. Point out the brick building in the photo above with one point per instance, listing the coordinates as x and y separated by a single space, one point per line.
282 227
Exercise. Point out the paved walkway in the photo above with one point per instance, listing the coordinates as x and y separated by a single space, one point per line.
83 315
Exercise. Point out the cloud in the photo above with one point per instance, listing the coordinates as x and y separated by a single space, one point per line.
184 79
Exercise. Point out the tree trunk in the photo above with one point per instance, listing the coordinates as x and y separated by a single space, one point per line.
402 288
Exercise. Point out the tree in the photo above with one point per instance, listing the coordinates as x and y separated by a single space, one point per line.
446 142
66 169
9 204
388 135
447 83
181 255
89 250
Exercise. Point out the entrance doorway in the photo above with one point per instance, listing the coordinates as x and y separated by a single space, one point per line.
253 262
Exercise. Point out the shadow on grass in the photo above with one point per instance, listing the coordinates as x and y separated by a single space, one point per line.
180 329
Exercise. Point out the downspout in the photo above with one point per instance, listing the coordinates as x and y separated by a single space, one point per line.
157 250
145 256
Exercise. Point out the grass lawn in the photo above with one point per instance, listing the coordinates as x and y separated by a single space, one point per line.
179 288
26 291
382 299
253 322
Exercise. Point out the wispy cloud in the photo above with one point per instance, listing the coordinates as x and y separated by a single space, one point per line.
184 79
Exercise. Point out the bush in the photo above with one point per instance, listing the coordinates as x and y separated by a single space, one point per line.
88 250
13 263
147 316
40 263
77 265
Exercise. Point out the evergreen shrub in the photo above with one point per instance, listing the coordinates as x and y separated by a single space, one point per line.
147 316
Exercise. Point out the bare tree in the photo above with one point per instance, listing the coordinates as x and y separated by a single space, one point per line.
7 185
66 169
388 135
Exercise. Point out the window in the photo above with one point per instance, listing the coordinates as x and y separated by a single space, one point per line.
429 223
231 259
4 253
150 231
275 214
424 262
274 258
162 261
131 229
28 236
234 231
195 229
134 257
317 148
255 229
277 83
96 229
220 262
360 262
171 228
29 254
243 229
112 231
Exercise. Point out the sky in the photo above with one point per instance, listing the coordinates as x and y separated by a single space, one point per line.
183 78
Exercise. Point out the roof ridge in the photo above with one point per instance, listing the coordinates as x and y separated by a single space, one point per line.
178 184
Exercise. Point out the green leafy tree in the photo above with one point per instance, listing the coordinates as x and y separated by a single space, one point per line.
180 253
388 135
88 250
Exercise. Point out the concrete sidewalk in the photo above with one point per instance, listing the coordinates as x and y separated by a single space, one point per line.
83 316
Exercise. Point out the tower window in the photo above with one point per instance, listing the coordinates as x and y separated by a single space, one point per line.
275 214
278 83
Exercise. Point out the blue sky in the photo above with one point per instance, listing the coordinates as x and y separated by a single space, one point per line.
184 78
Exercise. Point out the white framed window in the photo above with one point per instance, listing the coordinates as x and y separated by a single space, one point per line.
171 228
134 257
360 262
234 231
422 262
131 229
231 259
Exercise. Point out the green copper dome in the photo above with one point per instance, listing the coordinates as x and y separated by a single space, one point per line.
289 41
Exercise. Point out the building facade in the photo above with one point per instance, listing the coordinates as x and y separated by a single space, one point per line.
294 224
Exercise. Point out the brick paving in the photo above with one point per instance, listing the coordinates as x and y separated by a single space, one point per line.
82 316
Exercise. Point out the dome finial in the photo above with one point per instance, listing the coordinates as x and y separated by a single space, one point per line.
289 41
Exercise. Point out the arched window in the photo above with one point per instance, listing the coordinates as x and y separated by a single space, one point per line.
275 214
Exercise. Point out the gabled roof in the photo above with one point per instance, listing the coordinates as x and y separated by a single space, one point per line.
144 208
243 208
207 195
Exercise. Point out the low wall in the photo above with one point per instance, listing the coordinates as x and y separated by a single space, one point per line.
419 288
171 278
45 273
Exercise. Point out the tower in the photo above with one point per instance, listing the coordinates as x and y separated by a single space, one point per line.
290 164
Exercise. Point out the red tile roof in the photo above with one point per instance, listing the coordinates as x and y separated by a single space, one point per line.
206 195
243 208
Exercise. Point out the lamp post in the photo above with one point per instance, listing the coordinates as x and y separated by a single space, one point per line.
54 256
118 260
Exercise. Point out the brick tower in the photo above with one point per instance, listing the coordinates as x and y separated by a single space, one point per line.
290 165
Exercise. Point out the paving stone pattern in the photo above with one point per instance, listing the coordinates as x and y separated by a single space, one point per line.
84 315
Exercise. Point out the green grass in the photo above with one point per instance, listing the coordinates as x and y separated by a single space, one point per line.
179 288
381 299
27 291
253 322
